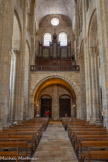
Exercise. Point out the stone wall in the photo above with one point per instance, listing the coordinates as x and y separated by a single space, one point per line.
95 69
14 33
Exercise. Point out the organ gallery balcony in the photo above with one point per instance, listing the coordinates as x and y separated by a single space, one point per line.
55 64
55 57
54 68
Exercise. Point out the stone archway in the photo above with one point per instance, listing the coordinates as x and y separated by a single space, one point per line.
68 83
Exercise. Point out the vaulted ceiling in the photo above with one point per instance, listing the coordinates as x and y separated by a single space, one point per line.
47 7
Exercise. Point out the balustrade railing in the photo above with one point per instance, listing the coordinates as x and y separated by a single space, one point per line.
54 68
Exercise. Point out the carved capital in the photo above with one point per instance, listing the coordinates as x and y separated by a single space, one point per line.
16 51
92 51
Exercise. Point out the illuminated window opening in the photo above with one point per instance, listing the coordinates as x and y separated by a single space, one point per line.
63 39
55 21
47 39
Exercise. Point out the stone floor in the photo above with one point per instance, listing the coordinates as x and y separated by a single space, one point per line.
55 146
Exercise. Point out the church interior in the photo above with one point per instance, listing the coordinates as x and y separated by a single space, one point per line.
54 80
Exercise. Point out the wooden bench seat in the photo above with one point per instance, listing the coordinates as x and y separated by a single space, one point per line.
98 155
82 128
11 139
78 131
16 144
89 133
12 154
85 136
94 155
35 136
75 133
86 145
9 154
80 138
85 129
24 136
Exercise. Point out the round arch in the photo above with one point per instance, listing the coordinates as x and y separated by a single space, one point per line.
45 95
16 37
51 81
71 85
92 31
64 95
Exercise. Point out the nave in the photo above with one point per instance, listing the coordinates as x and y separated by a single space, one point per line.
43 140
55 145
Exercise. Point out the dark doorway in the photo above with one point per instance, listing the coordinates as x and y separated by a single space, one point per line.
65 107
46 104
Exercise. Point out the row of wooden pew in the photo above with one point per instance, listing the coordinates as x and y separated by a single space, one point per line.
19 142
90 141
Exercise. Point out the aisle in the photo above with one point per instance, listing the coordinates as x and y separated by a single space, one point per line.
55 145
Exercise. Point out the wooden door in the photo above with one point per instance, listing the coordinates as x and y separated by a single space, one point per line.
46 104
65 107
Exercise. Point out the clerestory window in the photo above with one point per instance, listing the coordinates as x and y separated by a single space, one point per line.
63 39
47 39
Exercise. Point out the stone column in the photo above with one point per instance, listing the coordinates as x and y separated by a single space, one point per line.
102 17
20 65
14 54
87 64
94 87
55 108
24 109
6 28
31 107
32 51
98 98
82 84
17 78
32 31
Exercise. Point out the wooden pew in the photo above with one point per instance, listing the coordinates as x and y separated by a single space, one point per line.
84 130
93 137
16 144
24 135
98 155
91 144
18 139
9 154
84 135
76 133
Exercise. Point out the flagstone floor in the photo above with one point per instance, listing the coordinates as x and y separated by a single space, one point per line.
55 145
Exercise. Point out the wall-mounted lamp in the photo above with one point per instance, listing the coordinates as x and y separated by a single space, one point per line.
73 106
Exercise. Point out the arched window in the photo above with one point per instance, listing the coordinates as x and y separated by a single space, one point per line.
47 39
63 39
